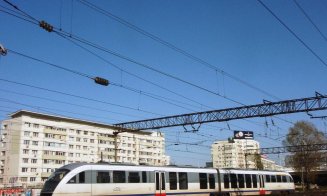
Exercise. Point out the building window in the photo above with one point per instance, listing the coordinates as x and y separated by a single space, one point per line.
34 152
35 134
33 169
26 133
33 160
23 179
26 142
35 143
25 160
32 179
25 151
24 169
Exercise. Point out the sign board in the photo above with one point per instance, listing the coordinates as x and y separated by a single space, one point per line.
243 134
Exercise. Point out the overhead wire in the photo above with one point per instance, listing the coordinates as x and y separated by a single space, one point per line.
151 95
293 33
114 53
67 103
78 96
310 20
70 36
171 46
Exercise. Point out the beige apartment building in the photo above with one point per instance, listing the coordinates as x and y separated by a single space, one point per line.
227 154
33 145
233 154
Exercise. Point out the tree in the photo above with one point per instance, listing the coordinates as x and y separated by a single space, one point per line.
258 162
305 133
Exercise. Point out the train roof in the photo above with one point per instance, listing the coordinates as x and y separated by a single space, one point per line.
75 165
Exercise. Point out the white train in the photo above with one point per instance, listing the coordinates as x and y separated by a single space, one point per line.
81 179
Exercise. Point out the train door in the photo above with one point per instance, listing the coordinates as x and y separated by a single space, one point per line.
160 183
262 190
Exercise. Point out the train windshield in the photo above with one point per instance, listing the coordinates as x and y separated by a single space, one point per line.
58 175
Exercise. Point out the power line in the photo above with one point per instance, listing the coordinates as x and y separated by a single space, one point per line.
151 95
310 20
136 76
293 33
78 96
70 36
67 103
171 46
114 53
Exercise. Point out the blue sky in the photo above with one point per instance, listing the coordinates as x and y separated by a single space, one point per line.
240 37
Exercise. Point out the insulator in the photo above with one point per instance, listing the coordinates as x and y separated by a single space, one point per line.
3 50
46 26
101 81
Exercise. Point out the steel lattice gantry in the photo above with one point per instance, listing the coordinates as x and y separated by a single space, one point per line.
319 102
286 149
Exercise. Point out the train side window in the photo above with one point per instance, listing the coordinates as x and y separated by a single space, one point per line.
267 178
172 180
279 178
240 178
248 180
133 177
119 176
226 181
77 179
284 179
103 177
212 183
203 181
233 180
183 183
290 178
255 181
273 178
81 177
144 180
72 180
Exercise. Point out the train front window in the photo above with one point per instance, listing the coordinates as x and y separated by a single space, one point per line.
58 175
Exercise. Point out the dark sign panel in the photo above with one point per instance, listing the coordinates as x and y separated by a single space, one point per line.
243 134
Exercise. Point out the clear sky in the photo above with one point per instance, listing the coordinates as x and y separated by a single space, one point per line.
239 37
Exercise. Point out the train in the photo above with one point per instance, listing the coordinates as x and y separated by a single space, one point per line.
85 179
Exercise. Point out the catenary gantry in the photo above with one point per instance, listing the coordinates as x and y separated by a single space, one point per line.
319 102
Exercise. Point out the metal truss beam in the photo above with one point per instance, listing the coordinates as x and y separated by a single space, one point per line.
286 149
260 110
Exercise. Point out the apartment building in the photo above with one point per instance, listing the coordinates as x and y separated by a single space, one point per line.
232 153
33 145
